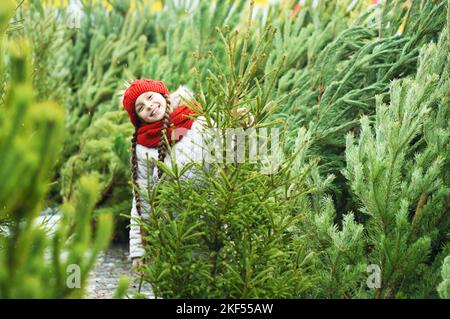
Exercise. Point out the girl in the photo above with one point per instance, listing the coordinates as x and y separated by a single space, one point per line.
155 114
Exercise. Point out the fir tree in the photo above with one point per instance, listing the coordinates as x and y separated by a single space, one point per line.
444 286
397 170
32 263
233 233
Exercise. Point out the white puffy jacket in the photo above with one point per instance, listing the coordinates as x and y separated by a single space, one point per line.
189 148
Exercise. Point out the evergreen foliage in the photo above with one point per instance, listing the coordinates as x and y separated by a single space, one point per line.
360 95
444 286
201 244
397 171
34 264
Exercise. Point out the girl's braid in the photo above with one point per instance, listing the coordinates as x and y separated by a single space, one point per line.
133 163
162 147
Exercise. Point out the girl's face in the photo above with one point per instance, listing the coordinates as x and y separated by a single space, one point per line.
150 107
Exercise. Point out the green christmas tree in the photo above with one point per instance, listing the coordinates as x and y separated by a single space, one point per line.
444 286
398 170
32 263
236 234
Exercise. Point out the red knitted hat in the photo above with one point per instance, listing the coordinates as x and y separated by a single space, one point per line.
137 88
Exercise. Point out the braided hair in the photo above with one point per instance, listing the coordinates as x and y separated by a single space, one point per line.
162 151
162 147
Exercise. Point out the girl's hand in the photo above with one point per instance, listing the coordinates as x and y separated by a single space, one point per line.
137 262
245 116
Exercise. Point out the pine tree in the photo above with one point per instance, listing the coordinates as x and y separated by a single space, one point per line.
444 286
49 38
341 83
106 138
32 263
234 231
398 170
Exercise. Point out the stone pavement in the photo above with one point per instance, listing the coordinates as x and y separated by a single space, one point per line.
112 265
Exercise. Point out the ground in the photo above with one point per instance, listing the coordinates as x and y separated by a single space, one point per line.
113 264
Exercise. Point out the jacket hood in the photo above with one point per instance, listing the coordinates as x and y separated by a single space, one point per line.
180 96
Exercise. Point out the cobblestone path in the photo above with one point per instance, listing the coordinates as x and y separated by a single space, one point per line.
112 265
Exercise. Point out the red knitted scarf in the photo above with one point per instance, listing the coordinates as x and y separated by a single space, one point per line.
150 134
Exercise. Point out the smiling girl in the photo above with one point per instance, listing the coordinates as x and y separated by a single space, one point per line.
157 115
